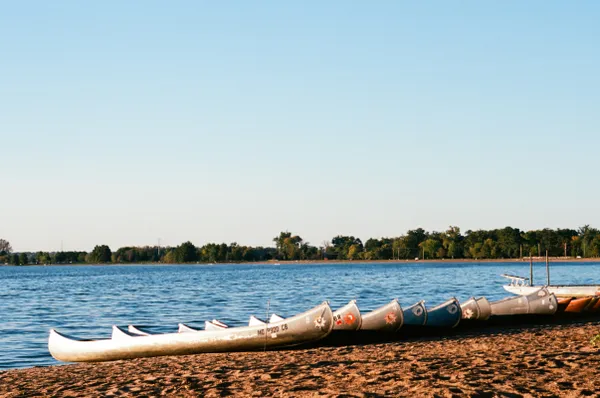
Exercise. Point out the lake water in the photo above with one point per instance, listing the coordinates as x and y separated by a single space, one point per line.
85 301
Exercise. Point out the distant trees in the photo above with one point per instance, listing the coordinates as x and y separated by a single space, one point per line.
5 247
100 254
506 242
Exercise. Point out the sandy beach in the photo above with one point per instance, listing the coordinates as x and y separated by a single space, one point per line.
538 361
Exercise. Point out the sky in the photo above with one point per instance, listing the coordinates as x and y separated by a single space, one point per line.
126 123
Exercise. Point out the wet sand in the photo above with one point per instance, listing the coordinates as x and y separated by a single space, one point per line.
540 361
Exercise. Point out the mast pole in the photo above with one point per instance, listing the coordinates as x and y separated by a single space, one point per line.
530 270
547 269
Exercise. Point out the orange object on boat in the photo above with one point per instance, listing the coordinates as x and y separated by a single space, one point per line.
563 302
578 304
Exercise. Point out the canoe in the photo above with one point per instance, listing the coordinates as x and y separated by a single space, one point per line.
485 310
208 325
347 318
387 318
415 315
256 321
135 330
578 304
309 326
563 302
470 309
447 314
514 305
540 302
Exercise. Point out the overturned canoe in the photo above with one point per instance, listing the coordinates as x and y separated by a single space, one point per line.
447 314
387 318
415 315
348 317
307 327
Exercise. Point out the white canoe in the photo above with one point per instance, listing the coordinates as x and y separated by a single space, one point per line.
253 321
387 318
348 317
309 326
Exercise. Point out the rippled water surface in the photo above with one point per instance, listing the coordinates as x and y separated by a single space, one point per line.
85 301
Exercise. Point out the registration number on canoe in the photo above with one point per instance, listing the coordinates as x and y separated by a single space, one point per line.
273 329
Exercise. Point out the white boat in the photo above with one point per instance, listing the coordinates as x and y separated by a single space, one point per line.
309 326
520 286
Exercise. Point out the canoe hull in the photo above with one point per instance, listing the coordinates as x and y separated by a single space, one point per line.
309 326
445 315
415 315
347 318
387 318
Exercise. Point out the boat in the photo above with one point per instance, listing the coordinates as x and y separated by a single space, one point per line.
309 326
387 318
256 321
415 315
137 331
523 286
540 302
447 314
347 318
485 310
470 309
577 305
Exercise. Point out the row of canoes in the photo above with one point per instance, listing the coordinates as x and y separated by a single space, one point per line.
310 326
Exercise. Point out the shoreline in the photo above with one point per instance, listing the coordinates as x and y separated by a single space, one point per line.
543 360
285 262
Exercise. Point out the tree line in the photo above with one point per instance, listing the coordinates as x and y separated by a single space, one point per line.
419 244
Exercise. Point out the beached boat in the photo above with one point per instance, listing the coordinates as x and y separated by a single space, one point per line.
415 315
540 302
596 307
133 329
253 321
520 285
447 314
309 326
470 309
387 318
485 310
347 318
577 305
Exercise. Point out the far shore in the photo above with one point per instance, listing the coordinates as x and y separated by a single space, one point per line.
413 261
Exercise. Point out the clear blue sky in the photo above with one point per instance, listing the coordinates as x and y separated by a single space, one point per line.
125 122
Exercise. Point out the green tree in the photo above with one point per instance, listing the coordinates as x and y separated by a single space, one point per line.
186 253
100 254
23 259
